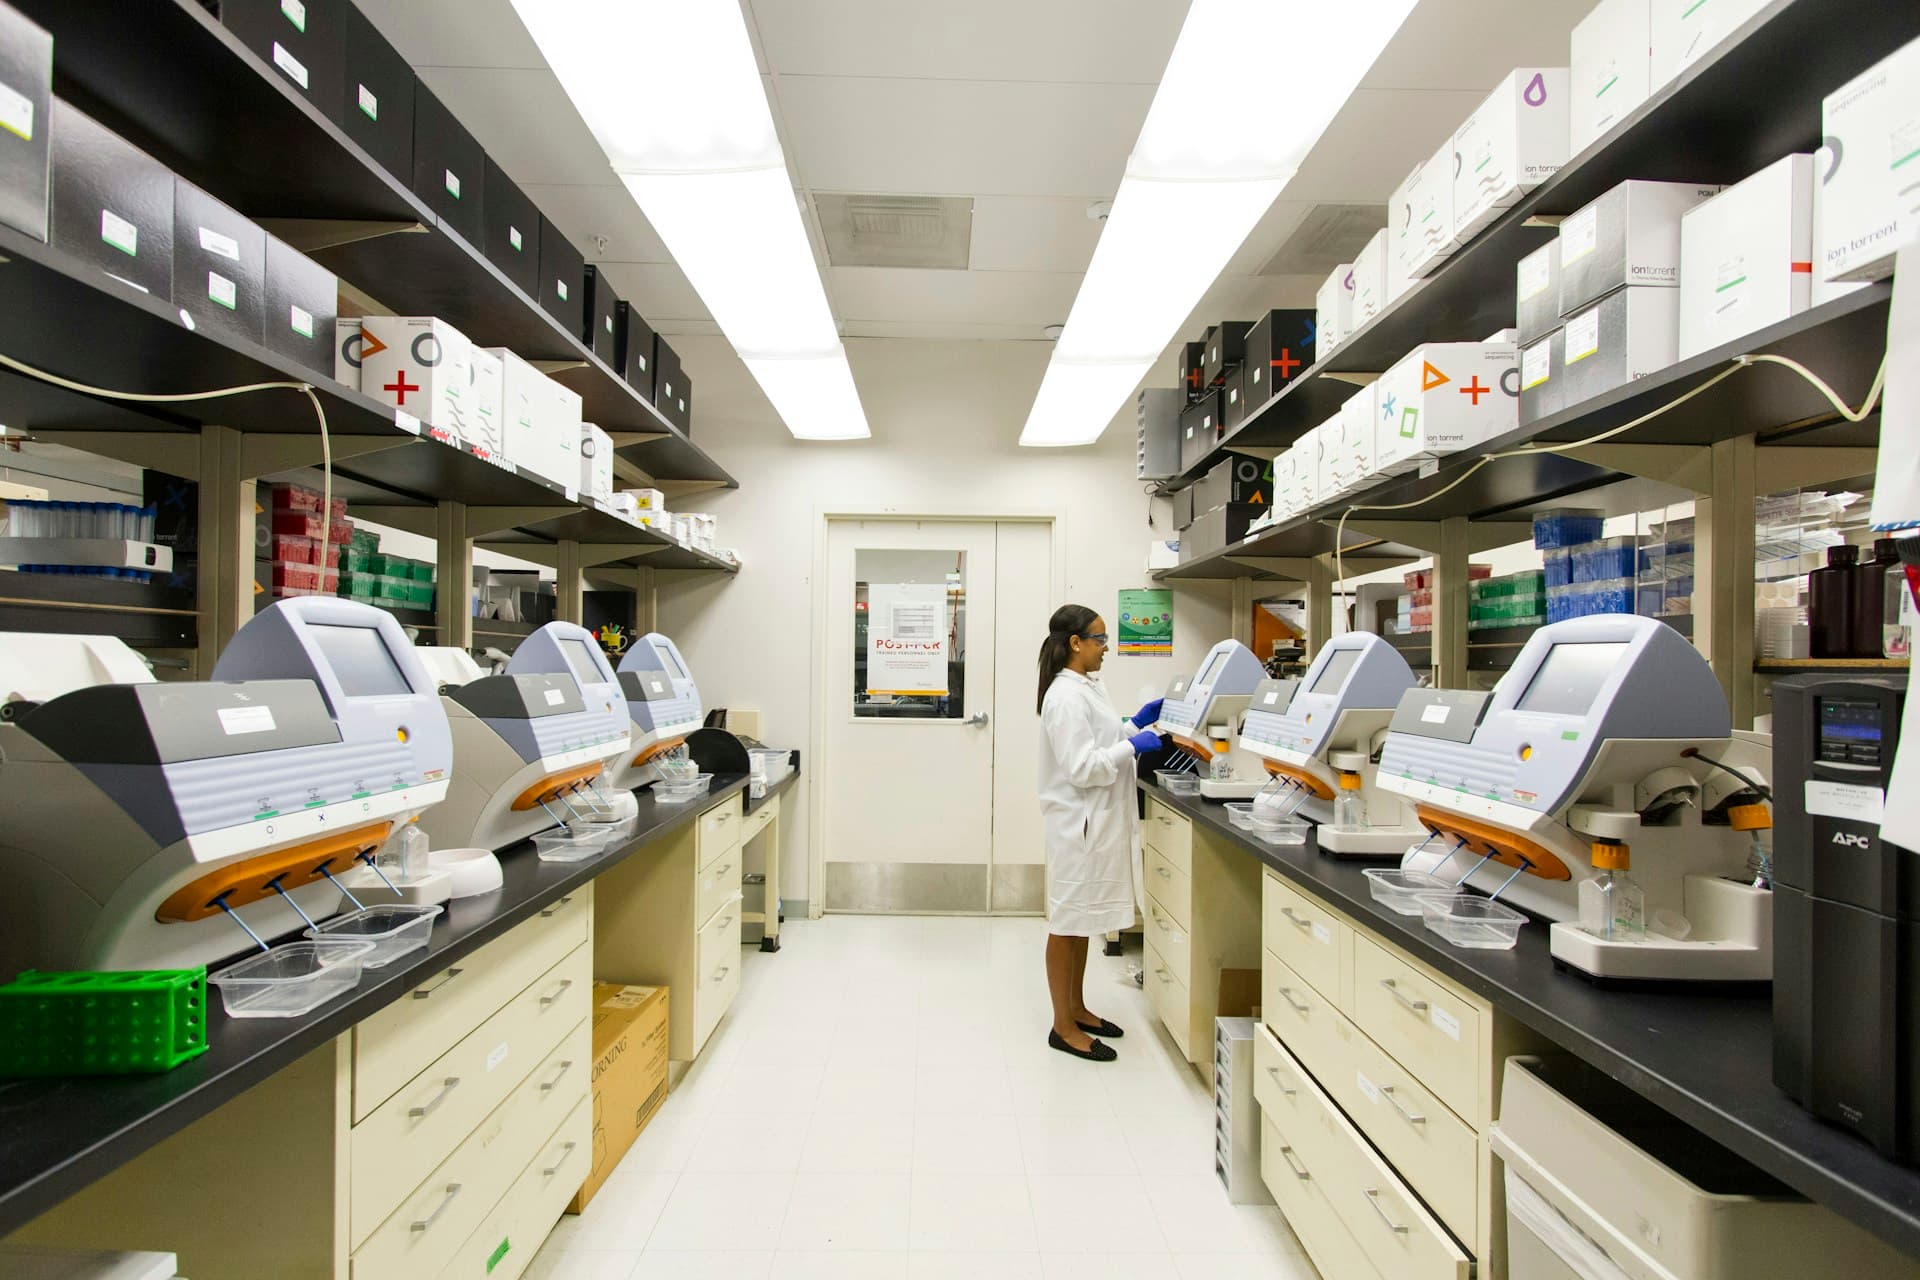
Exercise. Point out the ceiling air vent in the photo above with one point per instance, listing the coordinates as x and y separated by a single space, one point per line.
1330 235
896 231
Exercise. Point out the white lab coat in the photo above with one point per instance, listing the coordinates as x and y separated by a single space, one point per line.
1094 875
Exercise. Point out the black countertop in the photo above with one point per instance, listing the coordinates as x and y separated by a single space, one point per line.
1706 1057
56 1136
754 804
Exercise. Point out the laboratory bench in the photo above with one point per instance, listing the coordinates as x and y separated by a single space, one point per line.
1703 1056
59 1137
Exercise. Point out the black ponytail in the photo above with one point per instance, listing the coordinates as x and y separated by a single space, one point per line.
1068 621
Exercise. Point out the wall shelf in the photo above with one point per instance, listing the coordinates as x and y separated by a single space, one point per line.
1788 666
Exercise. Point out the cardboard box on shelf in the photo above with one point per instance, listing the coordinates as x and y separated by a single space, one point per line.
635 360
1822 289
1543 382
26 68
1237 478
563 276
1630 235
449 168
376 106
596 464
529 421
489 402
423 365
1280 346
1627 335
1333 310
301 300
1512 143
112 204
1234 410
1444 397
1612 72
649 499
1225 347
512 231
219 264
1536 294
1347 446
564 407
1870 123
301 39
603 316
1420 216
1684 31
1199 429
348 341
1371 286
1746 256
629 1075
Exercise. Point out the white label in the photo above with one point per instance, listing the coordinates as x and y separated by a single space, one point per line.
1534 275
1271 698
406 422
513 238
1579 235
301 321
1850 803
238 720
1436 714
1448 1024
497 1056
1729 284
16 112
296 14
289 64
369 103
555 697
222 290
560 287
225 246
1536 365
1583 336
1320 934
608 322
1367 1086
119 233
453 184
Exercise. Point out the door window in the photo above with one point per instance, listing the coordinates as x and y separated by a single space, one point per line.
909 634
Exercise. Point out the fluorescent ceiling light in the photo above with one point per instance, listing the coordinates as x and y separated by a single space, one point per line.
1227 129
672 92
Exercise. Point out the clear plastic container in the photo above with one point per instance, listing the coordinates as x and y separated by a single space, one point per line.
1280 830
666 792
571 844
1400 891
292 978
1240 814
1469 921
394 929
1177 782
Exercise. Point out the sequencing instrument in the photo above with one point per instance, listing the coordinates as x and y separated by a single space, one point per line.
1322 735
663 703
136 816
1201 716
525 742
1607 745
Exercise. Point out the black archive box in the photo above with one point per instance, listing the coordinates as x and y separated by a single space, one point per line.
1199 429
636 350
112 203
302 41
449 168
603 316
1226 347
1234 411
513 231
563 285
26 107
1238 479
302 303
376 98
1192 356
1279 346
219 264
681 415
666 377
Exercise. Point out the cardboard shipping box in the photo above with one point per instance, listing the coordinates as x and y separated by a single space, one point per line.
629 1075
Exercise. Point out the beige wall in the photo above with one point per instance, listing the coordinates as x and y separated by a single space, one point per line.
946 417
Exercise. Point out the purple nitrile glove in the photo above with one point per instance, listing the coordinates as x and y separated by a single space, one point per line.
1145 742
1148 716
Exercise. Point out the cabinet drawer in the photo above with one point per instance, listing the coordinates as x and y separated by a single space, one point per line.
1328 1242
1429 1028
716 885
1431 1147
1310 938
410 1133
1172 886
400 1041
759 820
1385 1218
1278 1080
719 830
512 1234
1169 831
1174 943
423 1235
1168 996
717 951
1300 1018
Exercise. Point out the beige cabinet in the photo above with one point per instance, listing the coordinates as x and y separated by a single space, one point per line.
670 916
1203 916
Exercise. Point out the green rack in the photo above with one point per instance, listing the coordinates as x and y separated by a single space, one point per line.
102 1023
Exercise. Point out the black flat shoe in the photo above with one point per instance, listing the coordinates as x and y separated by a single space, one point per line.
1100 1028
1098 1053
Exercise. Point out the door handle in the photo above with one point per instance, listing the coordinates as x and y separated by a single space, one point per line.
1412 1005
977 718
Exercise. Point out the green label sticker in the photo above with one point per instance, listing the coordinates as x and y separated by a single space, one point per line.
223 290
1570 735
1409 420
560 286
296 14
16 112
369 103
513 238
301 321
453 184
119 233
499 1255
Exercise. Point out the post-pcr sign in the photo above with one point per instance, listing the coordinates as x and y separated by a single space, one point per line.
907 639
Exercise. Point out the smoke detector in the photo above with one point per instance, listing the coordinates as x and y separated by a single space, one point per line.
1098 210
1053 332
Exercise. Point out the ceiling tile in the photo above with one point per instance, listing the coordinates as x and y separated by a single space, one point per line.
1032 233
1093 41
455 33
1444 45
525 121
932 137
1034 299
583 213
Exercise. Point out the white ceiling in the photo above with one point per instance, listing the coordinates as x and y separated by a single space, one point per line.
1028 106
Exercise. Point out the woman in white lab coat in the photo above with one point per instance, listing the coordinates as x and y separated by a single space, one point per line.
1092 822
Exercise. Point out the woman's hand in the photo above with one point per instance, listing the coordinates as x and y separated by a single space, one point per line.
1145 742
1148 716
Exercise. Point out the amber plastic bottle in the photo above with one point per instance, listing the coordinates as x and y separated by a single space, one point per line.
1830 604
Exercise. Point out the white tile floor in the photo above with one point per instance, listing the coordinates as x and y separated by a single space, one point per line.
881 1103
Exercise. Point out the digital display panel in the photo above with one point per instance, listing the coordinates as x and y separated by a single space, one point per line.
360 659
1569 680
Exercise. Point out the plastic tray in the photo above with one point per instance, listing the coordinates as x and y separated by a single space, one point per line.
1400 891
575 844
1285 831
394 929
291 979
1177 782
665 792
1476 923
1240 814
100 1024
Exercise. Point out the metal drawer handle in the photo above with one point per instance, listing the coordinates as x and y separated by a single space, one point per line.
1411 1117
421 993
556 993
566 1149
1163 873
426 1223
1299 922
1299 1170
1163 819
1160 973
1373 1198
1284 1091
547 1086
721 973
554 910
722 871
1286 993
726 922
1416 1006
447 1086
